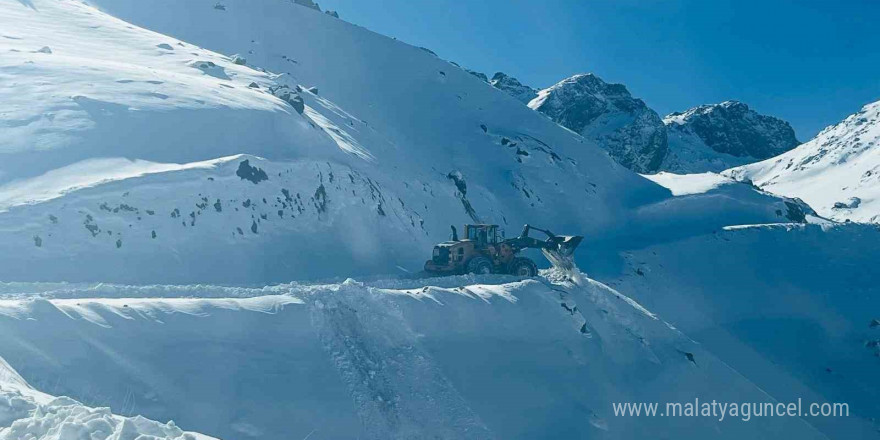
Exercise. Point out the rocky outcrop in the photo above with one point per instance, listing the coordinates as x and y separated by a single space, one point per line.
732 128
632 133
480 75
513 87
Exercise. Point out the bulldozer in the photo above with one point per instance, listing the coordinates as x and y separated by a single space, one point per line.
485 250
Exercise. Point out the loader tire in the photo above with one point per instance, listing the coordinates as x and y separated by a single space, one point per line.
479 265
523 267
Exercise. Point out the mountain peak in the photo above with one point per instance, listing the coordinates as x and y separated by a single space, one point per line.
513 87
607 113
732 128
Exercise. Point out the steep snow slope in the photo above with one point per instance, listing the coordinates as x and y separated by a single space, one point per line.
460 357
837 172
352 165
794 308
77 84
632 133
720 136
120 133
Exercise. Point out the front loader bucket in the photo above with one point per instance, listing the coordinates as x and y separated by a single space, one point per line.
566 244
561 249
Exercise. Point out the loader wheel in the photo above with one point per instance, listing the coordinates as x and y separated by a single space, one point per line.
523 267
479 265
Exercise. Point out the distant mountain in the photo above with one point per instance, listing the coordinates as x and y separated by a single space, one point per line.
480 75
837 172
632 133
719 136
513 87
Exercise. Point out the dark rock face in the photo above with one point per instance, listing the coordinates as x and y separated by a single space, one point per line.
733 128
513 87
253 174
480 75
632 133
308 3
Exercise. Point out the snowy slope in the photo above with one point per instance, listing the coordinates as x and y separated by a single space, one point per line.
459 357
126 123
341 156
607 114
720 136
325 150
791 307
837 172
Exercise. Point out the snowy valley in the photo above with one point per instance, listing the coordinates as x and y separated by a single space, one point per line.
213 218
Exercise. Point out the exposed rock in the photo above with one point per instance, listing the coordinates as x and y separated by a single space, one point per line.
430 52
289 96
852 203
253 174
480 75
239 60
632 133
308 4
513 87
719 136
332 13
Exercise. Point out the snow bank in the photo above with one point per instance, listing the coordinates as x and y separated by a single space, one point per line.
788 306
462 357
684 184
27 414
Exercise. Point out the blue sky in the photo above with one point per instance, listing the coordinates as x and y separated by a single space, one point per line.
811 63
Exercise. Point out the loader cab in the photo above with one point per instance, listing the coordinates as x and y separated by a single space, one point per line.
483 235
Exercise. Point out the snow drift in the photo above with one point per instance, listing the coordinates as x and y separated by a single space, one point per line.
492 357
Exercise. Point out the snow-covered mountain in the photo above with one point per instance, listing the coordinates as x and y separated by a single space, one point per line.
124 141
152 157
513 87
607 114
240 143
837 172
720 136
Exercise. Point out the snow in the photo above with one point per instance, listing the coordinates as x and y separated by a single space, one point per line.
365 167
720 136
839 164
788 306
134 159
85 174
684 184
27 414
377 359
